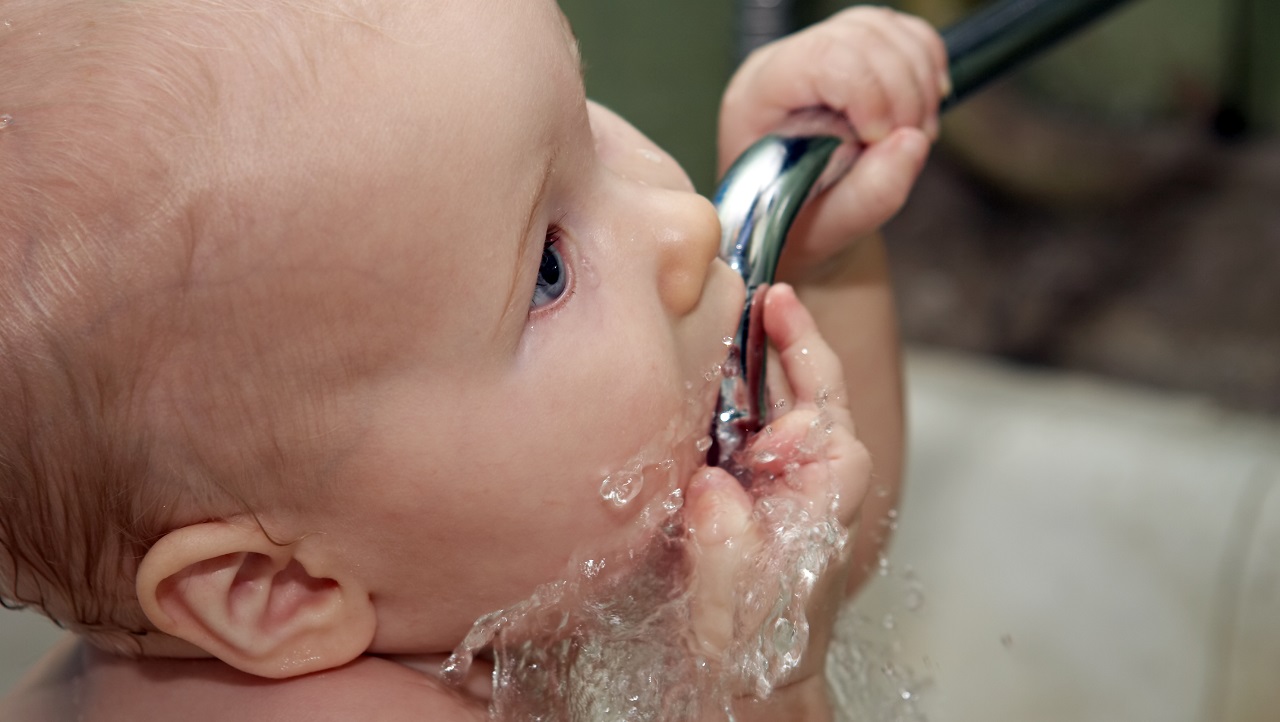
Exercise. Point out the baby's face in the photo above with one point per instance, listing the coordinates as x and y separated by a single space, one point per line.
546 280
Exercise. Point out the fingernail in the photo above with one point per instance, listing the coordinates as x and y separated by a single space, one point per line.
914 143
699 485
875 131
944 83
779 290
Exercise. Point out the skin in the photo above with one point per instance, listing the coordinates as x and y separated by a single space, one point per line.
468 403
644 313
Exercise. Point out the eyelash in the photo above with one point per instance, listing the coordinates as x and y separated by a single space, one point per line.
553 238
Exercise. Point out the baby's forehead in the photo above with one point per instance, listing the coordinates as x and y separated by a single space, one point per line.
242 143
147 137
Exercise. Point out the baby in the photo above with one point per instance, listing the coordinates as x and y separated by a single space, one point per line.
323 321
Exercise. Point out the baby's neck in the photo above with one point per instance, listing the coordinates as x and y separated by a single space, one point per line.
76 682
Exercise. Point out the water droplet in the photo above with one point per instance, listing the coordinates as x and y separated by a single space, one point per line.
731 367
8 23
791 475
703 444
883 565
591 568
5 120
889 622
766 457
649 155
674 501
788 642
620 488
728 340
780 404
914 600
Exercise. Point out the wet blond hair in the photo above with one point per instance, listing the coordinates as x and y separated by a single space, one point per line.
108 180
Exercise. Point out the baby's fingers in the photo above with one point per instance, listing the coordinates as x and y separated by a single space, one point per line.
723 540
813 370
882 77
814 460
919 67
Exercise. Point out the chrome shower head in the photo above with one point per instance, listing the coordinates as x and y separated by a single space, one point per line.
757 203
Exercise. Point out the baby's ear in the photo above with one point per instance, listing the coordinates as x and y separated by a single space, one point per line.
264 608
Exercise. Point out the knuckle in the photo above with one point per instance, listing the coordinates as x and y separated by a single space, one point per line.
842 71
862 13
917 24
829 52
921 27
858 458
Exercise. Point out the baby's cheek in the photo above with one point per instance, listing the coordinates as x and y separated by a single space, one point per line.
653 434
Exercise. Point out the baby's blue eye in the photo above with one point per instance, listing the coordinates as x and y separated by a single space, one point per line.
552 279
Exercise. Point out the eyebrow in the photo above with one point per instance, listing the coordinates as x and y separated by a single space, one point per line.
575 46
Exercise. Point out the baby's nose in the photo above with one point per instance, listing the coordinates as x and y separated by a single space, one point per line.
687 242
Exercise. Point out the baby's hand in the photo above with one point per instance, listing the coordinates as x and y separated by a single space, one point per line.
810 460
885 73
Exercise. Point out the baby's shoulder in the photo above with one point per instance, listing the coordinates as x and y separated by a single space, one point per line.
208 691
369 688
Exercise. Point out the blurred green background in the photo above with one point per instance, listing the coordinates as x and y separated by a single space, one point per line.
662 64
1110 207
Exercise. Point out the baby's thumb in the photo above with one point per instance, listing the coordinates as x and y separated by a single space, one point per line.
884 174
722 540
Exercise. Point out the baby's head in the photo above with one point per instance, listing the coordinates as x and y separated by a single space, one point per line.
323 321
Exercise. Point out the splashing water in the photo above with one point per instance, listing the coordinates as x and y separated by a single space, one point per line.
866 679
614 640
622 487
